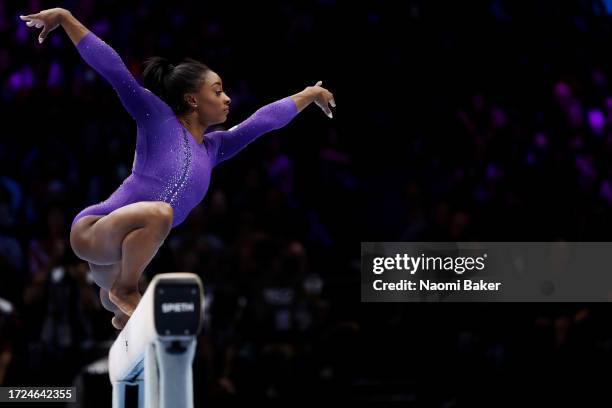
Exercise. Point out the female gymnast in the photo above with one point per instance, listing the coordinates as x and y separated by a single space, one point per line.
174 156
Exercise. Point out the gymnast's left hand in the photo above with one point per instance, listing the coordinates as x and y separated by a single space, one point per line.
48 19
323 98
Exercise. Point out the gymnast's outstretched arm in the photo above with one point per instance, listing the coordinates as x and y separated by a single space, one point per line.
142 105
226 143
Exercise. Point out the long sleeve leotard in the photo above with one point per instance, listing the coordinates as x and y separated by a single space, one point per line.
169 164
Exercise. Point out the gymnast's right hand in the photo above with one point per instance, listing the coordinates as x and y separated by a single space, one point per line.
48 19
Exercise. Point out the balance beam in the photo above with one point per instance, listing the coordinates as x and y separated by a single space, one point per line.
156 347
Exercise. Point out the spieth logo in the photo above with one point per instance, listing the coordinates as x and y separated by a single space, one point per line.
178 307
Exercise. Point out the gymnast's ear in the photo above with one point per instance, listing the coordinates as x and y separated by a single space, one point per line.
190 100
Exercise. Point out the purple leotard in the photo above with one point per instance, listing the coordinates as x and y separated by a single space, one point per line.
169 164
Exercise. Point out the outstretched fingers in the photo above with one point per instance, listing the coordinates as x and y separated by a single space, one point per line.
43 34
33 20
325 99
326 110
28 17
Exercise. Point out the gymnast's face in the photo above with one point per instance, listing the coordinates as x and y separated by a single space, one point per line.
212 102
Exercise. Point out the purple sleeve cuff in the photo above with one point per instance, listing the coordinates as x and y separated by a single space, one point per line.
87 39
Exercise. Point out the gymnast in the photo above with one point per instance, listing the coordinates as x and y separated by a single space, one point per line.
174 156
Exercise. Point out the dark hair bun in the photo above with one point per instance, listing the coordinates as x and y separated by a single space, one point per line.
172 83
155 74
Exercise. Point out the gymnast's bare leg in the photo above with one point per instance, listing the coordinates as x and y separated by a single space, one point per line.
124 241
109 273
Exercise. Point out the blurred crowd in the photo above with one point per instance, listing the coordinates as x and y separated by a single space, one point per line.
438 136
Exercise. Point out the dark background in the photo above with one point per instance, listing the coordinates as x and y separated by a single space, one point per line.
481 121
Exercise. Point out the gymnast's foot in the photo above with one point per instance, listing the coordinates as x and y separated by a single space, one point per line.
120 320
126 300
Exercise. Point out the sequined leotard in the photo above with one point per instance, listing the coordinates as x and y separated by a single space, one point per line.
169 164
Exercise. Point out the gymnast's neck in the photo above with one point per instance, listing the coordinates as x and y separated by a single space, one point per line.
195 127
